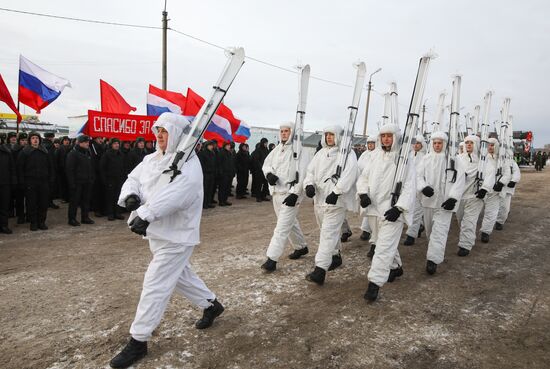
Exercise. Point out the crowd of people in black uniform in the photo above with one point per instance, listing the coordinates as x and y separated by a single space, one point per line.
88 174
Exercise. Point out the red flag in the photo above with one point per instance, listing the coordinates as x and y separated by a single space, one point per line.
5 96
112 101
194 103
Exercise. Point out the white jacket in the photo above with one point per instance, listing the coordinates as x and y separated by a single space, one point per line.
470 162
173 210
279 162
377 180
323 166
511 170
364 160
432 173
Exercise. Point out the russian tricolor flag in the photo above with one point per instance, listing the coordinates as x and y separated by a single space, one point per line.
160 101
38 88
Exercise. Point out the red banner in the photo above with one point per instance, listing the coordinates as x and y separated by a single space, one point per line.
126 127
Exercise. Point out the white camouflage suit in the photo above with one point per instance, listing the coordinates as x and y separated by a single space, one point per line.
512 170
470 206
279 162
412 231
437 220
330 217
174 212
363 161
376 181
492 199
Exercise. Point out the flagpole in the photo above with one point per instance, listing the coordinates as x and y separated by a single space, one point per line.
18 84
164 45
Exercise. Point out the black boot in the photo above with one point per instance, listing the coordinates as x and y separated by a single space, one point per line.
394 273
6 230
498 226
420 230
269 265
21 219
87 221
370 254
336 262
296 254
209 315
42 226
133 351
462 251
317 276
372 292
409 241
484 237
345 236
34 227
73 222
365 236
431 267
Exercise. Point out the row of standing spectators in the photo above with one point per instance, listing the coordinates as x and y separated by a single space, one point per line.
88 174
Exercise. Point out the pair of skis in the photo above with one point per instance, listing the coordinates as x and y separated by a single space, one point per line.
480 177
410 127
187 146
298 134
452 144
504 138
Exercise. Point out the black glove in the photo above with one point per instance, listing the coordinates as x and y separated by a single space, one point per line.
332 198
393 214
511 184
428 191
481 193
449 204
291 200
310 191
132 202
271 178
139 226
498 186
365 200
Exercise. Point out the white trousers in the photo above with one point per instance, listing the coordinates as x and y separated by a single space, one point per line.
373 225
504 208
437 223
365 224
345 226
168 271
492 203
287 228
468 214
417 218
386 256
329 219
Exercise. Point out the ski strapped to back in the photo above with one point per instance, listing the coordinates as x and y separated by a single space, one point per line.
394 108
503 137
410 127
298 134
475 120
187 146
347 137
483 148
452 144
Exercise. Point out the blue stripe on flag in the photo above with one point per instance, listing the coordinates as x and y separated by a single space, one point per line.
35 85
212 127
155 111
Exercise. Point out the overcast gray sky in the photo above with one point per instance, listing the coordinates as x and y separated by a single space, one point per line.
499 45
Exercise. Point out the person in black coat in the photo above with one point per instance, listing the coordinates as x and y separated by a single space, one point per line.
80 177
242 164
226 168
35 170
18 195
47 142
60 160
260 186
207 157
125 149
97 201
136 155
8 181
113 175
